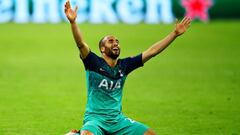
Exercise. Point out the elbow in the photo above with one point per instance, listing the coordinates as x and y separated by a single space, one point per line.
80 44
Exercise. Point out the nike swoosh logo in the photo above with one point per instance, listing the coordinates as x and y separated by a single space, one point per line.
102 69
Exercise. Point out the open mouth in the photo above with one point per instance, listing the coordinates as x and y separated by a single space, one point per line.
115 49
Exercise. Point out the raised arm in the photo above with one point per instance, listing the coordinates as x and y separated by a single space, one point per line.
72 15
158 47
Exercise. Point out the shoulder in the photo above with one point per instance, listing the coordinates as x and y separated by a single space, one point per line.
132 59
91 61
91 55
131 63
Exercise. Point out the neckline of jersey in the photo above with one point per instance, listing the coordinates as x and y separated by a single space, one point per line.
112 68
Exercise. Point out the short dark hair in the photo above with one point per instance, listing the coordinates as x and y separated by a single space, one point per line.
101 43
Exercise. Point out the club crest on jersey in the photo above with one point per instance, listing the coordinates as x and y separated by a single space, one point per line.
120 72
109 85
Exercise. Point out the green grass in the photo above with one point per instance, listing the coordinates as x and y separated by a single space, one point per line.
192 88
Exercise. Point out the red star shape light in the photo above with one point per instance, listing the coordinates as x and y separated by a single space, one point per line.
197 8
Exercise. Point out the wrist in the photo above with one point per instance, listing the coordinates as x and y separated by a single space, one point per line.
174 34
72 22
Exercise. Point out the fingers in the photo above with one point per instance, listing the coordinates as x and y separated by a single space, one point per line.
65 9
76 9
68 4
176 21
186 21
183 20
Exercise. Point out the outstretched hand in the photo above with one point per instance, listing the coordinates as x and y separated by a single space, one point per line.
70 13
182 27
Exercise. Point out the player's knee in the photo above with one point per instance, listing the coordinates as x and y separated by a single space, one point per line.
85 132
149 132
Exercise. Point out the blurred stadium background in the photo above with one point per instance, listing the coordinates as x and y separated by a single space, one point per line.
192 88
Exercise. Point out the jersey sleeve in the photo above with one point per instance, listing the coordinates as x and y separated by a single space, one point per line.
91 61
132 63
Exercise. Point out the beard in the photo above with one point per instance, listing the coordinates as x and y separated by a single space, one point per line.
111 53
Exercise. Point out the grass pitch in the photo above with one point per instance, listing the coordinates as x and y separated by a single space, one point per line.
192 88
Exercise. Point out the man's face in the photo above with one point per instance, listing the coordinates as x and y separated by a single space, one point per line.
111 47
